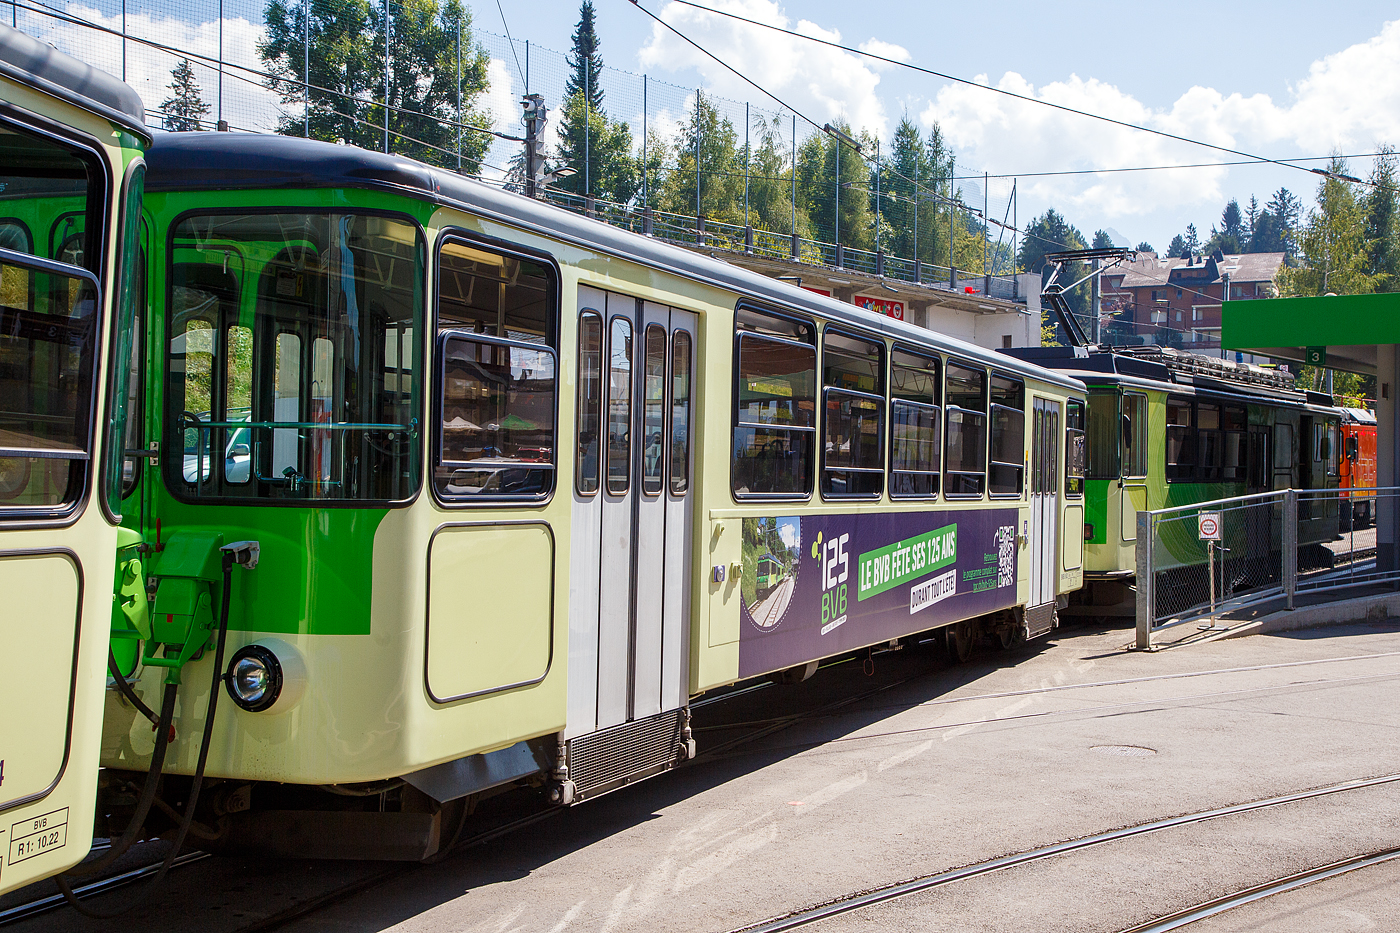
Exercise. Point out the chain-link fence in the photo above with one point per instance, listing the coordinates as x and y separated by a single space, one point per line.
1200 561
260 66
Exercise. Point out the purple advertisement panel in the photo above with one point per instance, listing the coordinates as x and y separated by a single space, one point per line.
817 585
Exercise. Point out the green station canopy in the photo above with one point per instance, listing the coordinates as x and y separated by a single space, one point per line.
1346 328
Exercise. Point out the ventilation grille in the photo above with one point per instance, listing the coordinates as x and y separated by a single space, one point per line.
609 758
1039 619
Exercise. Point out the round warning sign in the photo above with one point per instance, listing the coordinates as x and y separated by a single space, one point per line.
1208 526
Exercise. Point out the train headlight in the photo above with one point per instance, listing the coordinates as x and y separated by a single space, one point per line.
264 673
254 678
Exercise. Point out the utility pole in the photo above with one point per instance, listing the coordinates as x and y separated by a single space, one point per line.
1095 303
386 75
536 116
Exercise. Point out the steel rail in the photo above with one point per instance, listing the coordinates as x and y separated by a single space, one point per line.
101 886
1258 892
900 889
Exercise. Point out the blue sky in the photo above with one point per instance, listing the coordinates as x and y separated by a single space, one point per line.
1282 80
1275 79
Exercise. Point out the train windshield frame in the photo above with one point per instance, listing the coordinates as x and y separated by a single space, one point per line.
294 358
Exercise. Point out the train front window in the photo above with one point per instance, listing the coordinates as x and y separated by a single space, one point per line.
293 364
1103 436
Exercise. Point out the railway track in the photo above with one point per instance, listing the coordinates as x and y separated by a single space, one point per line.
886 893
755 730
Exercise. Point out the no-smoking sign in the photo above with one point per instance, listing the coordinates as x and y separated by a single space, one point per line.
1208 526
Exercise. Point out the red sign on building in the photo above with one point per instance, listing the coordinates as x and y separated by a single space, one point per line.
894 309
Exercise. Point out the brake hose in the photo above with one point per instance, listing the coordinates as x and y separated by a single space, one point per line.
153 775
124 687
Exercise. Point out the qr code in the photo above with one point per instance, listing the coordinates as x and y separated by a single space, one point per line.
1006 556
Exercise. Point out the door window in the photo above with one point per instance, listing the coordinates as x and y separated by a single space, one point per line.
680 412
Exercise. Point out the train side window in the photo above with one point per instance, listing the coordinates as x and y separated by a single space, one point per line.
1075 458
775 406
1104 436
14 234
1133 434
853 399
1181 441
965 438
1209 442
914 425
619 458
1008 453
1235 424
590 400
654 410
1334 451
486 292
680 412
497 410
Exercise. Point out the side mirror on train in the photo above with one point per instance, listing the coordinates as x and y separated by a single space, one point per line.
1352 452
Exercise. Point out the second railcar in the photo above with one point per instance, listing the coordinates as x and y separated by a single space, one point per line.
507 470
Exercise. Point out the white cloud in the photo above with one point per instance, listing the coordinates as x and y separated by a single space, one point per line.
245 102
822 82
788 532
1349 101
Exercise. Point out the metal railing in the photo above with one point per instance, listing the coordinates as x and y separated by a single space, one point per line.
1196 562
688 230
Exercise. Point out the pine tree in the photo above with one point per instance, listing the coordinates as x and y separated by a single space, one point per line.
721 167
1192 241
1381 206
1230 237
1177 248
1051 233
1333 243
185 107
822 163
596 148
1288 214
1102 240
1145 247
347 67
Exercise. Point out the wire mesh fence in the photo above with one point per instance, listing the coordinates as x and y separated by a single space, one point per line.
1210 558
283 66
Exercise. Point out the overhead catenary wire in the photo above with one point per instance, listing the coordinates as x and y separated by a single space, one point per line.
987 87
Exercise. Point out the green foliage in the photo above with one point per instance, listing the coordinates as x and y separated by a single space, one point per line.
1333 243
912 175
1102 240
1145 247
599 150
347 68
1177 248
1232 235
822 163
1350 389
721 168
1381 206
183 110
1050 233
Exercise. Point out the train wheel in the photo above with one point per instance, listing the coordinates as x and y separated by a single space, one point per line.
1006 637
960 638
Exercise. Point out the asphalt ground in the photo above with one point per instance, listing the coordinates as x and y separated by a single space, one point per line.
905 766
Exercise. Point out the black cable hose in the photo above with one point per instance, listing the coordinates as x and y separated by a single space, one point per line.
143 803
124 687
215 682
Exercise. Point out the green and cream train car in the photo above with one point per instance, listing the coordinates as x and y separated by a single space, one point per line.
1167 428
71 140
508 474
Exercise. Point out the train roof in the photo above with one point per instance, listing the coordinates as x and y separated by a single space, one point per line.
1358 415
225 161
1168 367
26 59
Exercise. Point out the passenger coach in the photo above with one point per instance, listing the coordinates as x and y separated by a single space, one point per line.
511 486
1168 428
70 187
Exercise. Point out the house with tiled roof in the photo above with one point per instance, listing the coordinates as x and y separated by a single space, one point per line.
1176 302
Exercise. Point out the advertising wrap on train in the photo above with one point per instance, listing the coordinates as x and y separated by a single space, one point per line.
831 583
